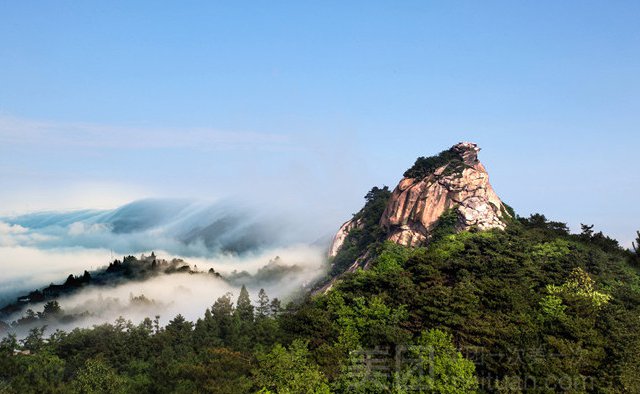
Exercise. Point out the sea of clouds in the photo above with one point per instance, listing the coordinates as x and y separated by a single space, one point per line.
269 251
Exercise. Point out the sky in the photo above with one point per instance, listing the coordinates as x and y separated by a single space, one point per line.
307 105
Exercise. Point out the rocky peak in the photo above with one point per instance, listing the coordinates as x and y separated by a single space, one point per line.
468 152
453 180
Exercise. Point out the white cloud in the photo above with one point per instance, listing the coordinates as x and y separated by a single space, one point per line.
14 234
27 198
80 228
9 229
19 131
23 267
187 294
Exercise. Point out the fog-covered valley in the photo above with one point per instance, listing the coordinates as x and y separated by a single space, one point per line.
242 246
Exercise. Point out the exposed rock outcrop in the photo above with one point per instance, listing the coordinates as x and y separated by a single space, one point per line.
453 182
462 184
341 235
454 179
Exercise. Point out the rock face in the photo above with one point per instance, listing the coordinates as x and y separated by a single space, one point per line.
454 179
461 183
452 182
341 235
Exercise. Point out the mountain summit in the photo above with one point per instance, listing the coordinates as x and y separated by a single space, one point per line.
452 186
455 179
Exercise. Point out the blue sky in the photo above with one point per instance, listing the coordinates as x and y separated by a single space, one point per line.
309 104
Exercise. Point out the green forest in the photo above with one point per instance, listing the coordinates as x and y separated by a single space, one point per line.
532 308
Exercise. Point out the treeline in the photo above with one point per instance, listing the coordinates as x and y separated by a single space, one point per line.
529 309
234 348
118 271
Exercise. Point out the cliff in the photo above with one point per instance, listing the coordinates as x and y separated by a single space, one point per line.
421 197
452 181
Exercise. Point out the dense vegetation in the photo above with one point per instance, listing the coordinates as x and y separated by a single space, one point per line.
367 233
532 308
427 165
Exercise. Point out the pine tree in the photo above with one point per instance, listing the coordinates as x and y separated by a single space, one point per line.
178 334
207 331
587 231
244 309
156 324
636 248
243 322
265 330
34 341
51 309
276 307
223 312
263 308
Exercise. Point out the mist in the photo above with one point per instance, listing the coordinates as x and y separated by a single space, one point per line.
276 250
27 268
281 272
178 226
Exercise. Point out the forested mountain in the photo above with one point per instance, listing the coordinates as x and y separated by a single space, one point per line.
468 297
129 269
